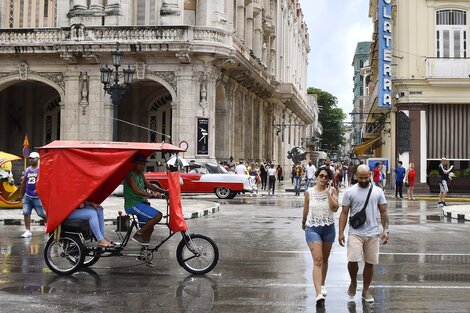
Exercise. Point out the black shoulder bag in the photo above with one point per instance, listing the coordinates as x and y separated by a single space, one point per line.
358 219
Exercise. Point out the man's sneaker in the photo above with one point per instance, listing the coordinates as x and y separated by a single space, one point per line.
27 234
352 291
320 300
323 291
138 237
444 204
367 297
440 203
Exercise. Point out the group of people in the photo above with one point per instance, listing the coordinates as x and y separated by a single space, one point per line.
321 202
404 177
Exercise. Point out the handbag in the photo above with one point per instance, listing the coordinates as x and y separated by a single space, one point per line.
358 219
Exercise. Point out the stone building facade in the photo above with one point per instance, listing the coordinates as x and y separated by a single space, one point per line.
237 66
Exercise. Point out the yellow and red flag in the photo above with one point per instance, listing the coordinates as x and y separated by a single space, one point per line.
25 146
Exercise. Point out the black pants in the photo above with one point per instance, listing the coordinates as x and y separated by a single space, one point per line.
264 179
272 183
399 189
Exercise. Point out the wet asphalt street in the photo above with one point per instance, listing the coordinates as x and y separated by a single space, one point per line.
264 266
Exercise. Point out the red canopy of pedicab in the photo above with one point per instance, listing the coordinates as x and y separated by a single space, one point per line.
74 171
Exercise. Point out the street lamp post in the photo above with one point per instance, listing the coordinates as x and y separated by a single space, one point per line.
116 90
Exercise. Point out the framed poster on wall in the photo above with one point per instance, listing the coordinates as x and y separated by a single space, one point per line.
202 136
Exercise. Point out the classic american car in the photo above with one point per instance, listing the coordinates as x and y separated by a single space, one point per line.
208 178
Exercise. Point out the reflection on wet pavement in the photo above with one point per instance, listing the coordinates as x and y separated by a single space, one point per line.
264 266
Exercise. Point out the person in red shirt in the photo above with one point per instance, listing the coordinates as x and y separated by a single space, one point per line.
377 175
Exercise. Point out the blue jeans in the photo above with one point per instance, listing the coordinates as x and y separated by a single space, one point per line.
310 183
94 216
297 180
32 203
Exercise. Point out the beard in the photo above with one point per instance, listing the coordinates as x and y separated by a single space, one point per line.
364 184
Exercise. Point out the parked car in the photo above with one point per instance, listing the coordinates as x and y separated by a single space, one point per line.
208 178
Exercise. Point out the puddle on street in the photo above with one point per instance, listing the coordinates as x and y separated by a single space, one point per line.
29 290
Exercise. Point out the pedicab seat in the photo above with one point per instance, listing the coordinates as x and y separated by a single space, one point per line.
76 226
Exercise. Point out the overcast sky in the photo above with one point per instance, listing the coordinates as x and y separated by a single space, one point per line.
335 27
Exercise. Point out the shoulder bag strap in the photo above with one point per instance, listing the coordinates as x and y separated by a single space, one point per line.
368 196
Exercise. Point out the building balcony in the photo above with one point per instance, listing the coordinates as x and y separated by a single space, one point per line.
29 40
450 68
296 102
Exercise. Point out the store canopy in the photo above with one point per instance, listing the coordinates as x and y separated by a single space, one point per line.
363 147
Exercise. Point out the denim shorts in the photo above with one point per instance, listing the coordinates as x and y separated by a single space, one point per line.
32 203
325 233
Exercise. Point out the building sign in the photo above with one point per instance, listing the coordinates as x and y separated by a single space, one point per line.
202 136
385 54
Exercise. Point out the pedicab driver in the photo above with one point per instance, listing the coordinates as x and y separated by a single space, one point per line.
135 199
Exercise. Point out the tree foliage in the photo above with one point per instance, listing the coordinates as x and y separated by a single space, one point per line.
331 118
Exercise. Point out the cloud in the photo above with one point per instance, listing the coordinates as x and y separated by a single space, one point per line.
335 28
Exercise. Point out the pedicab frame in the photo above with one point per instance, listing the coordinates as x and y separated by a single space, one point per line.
76 171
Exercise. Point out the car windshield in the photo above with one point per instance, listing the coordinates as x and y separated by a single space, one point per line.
215 168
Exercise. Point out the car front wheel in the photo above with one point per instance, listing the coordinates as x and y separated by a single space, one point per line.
223 192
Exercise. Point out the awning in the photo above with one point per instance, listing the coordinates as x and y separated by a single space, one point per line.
363 147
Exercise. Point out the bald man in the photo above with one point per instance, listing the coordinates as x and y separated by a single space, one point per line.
363 242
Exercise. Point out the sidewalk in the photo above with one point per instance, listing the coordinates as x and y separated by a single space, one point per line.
191 209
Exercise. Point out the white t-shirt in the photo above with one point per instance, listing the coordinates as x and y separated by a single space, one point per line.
310 171
240 169
355 197
272 172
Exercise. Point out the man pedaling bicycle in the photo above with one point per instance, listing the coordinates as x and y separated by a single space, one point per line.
135 199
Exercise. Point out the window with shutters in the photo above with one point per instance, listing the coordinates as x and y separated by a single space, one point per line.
451 34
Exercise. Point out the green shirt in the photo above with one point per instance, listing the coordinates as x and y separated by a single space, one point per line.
130 198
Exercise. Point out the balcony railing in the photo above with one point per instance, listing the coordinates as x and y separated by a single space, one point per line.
447 68
104 34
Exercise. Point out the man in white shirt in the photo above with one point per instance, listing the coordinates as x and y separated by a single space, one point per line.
310 172
240 169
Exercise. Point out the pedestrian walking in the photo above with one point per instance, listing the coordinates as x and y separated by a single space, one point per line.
28 194
410 181
310 175
298 178
321 202
279 173
350 172
263 173
443 181
399 177
271 179
377 175
363 241
240 169
292 174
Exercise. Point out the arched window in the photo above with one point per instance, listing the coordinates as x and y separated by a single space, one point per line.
451 34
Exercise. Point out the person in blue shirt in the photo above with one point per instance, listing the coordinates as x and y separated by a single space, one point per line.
399 177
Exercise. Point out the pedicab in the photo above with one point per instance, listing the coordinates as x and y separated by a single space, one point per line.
9 193
73 171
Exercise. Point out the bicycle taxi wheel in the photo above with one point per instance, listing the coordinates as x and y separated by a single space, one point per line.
66 255
197 254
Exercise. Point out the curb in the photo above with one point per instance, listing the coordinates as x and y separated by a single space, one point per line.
110 221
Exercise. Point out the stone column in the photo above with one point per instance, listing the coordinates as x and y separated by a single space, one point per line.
249 25
240 27
171 12
69 124
258 37
187 98
80 4
229 12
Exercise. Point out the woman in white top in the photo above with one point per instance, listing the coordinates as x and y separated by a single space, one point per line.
318 221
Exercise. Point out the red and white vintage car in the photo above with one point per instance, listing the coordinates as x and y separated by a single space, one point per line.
208 178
